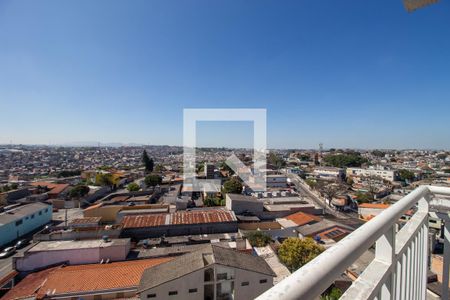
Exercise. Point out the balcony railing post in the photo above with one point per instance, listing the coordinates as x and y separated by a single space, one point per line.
446 263
385 252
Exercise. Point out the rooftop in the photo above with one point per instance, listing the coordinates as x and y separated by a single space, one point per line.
84 244
78 279
301 218
179 218
374 205
21 211
196 260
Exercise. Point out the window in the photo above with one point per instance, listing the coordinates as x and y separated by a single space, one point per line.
222 276
19 222
40 213
245 283
46 210
151 296
120 295
32 216
173 293
209 274
263 281
192 290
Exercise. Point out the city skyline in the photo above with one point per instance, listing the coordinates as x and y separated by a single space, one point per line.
327 73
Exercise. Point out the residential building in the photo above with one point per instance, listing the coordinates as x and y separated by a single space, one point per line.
276 181
22 220
211 273
367 211
389 175
50 253
113 212
329 173
94 281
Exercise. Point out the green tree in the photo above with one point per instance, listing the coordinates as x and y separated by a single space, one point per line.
133 187
213 201
276 160
258 238
105 179
362 197
226 167
378 153
152 180
79 191
345 160
296 252
148 162
406 175
333 294
232 186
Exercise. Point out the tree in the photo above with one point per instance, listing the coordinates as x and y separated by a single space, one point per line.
345 160
148 162
364 197
213 201
104 179
333 294
276 160
406 175
232 186
296 252
331 190
258 238
378 153
133 187
152 180
79 191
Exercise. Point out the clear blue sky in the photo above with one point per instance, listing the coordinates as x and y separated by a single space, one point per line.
363 74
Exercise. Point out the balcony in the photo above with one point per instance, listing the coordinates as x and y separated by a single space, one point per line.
399 269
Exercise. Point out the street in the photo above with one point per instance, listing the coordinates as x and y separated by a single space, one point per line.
303 189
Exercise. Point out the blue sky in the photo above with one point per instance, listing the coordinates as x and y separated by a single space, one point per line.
362 74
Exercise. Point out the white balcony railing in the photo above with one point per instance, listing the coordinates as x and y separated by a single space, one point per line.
399 269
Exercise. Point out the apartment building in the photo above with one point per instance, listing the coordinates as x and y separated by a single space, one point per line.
389 175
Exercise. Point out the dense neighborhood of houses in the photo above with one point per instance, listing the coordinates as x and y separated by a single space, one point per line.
108 223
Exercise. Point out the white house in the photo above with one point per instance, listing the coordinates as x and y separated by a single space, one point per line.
211 272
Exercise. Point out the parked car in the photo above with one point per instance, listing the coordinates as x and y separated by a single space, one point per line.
7 252
21 243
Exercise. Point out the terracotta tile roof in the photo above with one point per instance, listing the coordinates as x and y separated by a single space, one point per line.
94 206
84 278
374 205
301 218
55 188
29 285
179 218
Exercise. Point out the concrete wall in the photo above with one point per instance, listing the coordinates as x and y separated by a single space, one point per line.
196 280
10 231
35 260
182 229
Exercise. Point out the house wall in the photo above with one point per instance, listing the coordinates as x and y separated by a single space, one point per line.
39 259
10 231
182 229
196 279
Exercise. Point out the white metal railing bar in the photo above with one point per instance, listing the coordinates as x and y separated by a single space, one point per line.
403 269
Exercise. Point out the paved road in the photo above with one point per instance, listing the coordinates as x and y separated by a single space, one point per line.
303 189
6 263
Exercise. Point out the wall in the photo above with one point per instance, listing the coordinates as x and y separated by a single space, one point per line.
182 229
39 259
196 280
10 231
